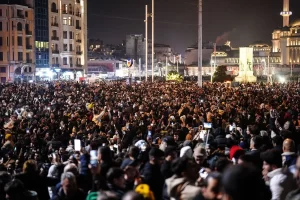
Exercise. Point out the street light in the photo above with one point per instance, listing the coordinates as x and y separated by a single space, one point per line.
200 44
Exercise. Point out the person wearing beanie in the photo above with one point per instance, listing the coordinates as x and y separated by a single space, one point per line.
235 153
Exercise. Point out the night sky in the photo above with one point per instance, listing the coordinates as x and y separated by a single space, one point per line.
240 21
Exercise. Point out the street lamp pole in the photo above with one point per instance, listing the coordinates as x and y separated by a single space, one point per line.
200 44
146 43
152 15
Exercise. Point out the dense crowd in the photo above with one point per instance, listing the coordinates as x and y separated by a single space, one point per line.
111 141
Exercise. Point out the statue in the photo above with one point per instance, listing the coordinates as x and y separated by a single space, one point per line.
246 65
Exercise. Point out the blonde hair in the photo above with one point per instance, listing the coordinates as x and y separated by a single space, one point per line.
30 166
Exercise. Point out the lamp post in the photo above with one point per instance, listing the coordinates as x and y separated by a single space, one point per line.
152 15
146 42
200 44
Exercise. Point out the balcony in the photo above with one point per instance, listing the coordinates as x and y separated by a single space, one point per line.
64 12
54 24
54 38
78 65
71 12
54 10
78 52
78 40
55 65
28 32
29 61
20 16
55 51
28 46
78 14
78 27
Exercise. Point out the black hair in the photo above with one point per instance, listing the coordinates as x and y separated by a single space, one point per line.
221 164
239 182
258 141
180 165
169 150
114 173
272 157
105 153
134 151
218 177
277 140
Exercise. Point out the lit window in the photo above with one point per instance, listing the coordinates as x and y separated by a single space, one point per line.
70 21
65 21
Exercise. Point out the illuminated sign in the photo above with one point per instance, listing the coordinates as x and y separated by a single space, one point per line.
129 63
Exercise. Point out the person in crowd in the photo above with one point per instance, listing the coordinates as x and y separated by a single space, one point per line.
212 189
116 181
294 195
170 155
132 159
182 184
244 182
151 173
69 189
32 181
280 180
255 144
72 120
289 156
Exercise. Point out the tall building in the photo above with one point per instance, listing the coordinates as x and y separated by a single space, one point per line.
286 40
135 48
41 34
16 41
67 38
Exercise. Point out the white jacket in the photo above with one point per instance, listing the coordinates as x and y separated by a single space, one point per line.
281 183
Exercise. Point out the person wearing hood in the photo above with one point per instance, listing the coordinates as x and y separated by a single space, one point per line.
182 184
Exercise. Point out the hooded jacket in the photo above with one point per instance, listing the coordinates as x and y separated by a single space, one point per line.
179 188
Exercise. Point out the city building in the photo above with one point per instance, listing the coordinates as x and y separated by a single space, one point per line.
162 51
17 41
135 48
67 22
286 40
41 14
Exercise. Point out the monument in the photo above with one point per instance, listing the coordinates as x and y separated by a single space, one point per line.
246 66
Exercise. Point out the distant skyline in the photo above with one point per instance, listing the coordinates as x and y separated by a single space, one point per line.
241 22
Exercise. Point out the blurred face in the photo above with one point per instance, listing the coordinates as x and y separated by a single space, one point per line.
120 182
199 159
68 187
209 192
266 169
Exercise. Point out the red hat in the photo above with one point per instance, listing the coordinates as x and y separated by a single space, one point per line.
234 149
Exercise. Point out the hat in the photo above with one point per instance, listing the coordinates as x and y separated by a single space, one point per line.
169 140
186 151
234 149
8 137
199 151
145 191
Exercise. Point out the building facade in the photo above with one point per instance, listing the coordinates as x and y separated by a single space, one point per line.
17 42
135 48
67 38
41 34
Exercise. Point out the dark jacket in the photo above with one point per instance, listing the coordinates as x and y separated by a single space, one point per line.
255 154
79 195
166 169
293 195
33 181
152 176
